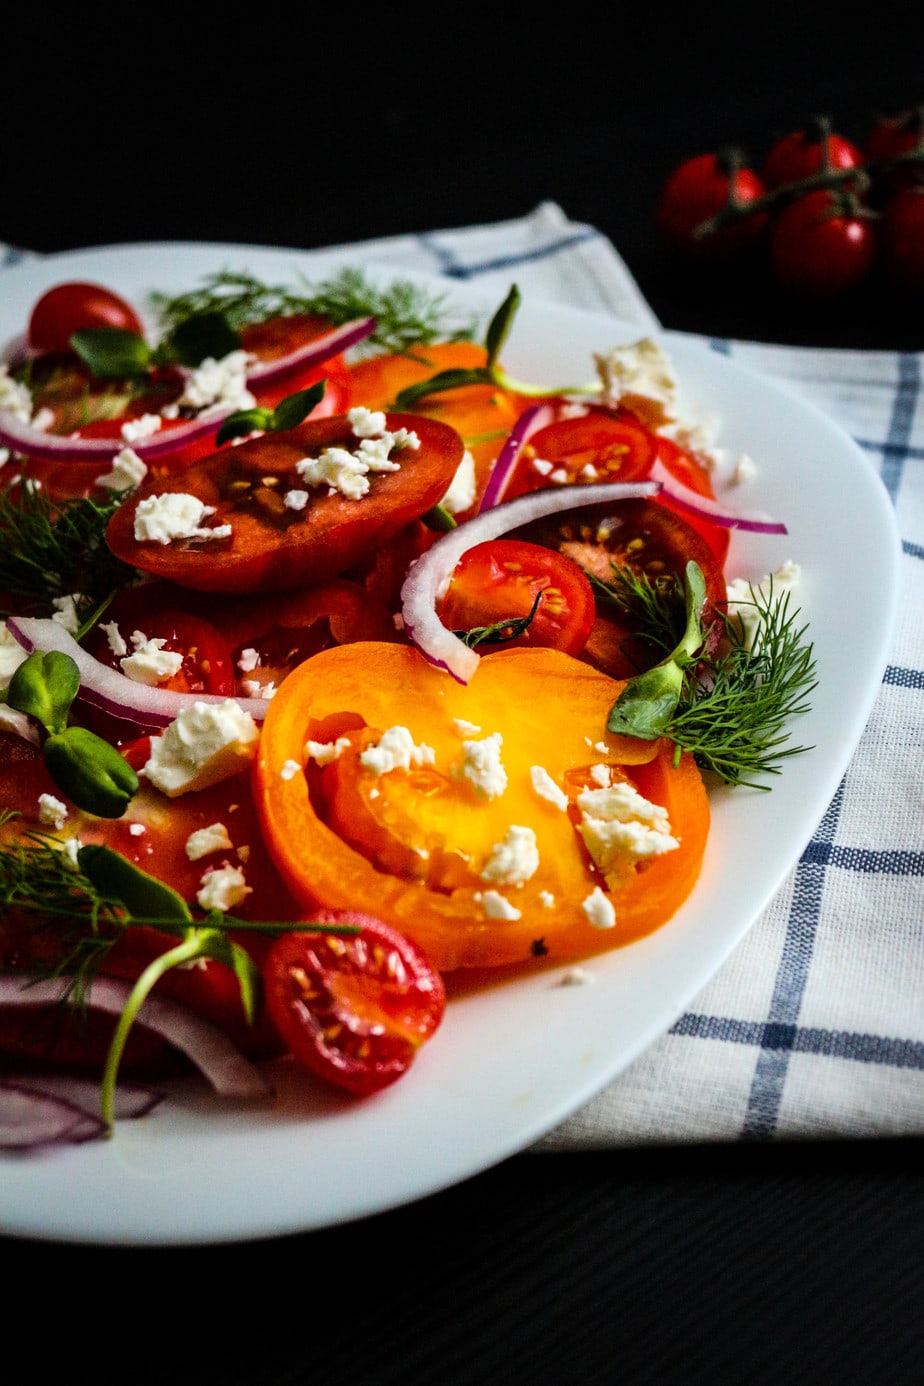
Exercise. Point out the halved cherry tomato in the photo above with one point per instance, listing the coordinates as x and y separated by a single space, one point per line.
273 547
690 472
207 666
68 308
588 449
354 1009
411 847
500 580
644 536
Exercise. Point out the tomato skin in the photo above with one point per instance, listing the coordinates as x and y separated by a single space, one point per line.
614 447
902 238
821 246
805 152
353 1009
698 189
271 549
502 577
68 308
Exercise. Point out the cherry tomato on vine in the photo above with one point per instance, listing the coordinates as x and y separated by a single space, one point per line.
68 308
893 137
501 578
902 238
805 152
698 189
822 244
354 1009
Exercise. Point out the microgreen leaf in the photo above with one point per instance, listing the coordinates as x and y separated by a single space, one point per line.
43 687
288 413
111 353
207 334
501 324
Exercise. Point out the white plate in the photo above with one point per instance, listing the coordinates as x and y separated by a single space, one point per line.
513 1061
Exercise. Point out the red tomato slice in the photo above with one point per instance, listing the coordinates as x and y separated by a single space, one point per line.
271 547
356 1009
594 447
500 580
690 472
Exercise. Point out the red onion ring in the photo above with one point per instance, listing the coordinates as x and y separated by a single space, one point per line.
428 576
209 1048
110 691
27 441
38 1109
707 509
534 417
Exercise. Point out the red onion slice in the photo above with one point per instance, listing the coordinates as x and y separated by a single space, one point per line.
110 691
533 418
707 509
31 1118
429 575
27 441
209 1048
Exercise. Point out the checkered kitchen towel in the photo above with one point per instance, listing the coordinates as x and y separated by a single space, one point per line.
815 1024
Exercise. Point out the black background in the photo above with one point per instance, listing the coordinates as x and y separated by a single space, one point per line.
302 128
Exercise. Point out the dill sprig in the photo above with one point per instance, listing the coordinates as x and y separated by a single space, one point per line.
407 315
730 707
51 550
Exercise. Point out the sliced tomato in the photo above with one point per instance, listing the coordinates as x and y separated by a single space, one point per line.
644 536
694 475
500 580
272 547
354 1009
593 447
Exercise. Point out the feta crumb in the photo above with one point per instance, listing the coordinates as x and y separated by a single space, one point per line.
575 977
600 774
546 899
66 613
514 860
325 751
206 743
497 906
366 423
599 910
295 500
248 660
15 397
174 515
217 385
641 370
136 430
137 829
741 598
150 664
461 492
621 828
395 750
745 470
114 638
223 888
52 811
541 466
347 472
465 728
127 470
69 850
205 840
289 770
481 766
546 788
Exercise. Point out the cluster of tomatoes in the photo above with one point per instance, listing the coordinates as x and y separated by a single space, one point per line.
823 211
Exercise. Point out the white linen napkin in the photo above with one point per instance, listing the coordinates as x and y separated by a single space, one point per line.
814 1027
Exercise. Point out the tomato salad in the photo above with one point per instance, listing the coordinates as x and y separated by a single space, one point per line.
292 596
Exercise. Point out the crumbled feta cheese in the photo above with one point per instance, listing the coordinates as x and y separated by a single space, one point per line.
150 664
599 910
576 977
114 638
66 613
223 888
745 470
513 861
641 370
52 811
174 515
621 828
205 840
295 500
395 750
600 774
137 829
136 430
542 466
289 770
366 423
559 476
497 906
15 397
465 728
347 472
218 385
741 596
325 751
546 899
481 766
207 743
461 492
127 471
69 850
546 788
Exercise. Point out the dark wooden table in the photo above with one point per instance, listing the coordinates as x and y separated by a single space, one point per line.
745 1262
